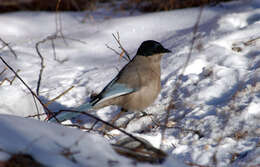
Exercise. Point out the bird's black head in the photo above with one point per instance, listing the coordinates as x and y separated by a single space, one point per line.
150 47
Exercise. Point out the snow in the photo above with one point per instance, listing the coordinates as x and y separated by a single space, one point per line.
219 94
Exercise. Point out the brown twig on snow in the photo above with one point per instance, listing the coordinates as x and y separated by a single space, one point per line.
56 35
251 41
81 127
116 52
59 96
1 73
37 109
9 47
35 115
92 127
178 83
42 65
31 91
117 38
49 38
10 81
10 68
48 103
58 22
195 30
111 125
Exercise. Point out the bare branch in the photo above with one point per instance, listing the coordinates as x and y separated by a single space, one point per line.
59 23
195 30
178 83
35 115
8 80
53 49
116 52
38 113
82 127
10 68
59 96
113 126
120 45
92 127
42 65
48 38
9 47
3 71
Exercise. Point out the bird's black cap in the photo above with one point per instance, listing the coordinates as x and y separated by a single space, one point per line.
151 47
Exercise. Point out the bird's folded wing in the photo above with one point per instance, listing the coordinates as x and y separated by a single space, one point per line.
114 90
69 115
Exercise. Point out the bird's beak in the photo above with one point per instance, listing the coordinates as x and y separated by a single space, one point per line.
166 51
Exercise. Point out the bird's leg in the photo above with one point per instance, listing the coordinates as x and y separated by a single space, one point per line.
137 115
141 114
118 115
105 127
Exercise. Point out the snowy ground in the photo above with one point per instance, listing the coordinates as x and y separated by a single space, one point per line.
219 95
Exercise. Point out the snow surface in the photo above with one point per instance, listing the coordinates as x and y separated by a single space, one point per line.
219 95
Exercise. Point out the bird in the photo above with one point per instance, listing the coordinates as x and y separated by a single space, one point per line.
135 87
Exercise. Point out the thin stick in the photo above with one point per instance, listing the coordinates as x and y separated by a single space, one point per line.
59 96
195 30
3 71
53 49
113 126
9 67
35 115
92 127
59 23
38 113
112 49
11 82
177 83
247 43
120 45
8 80
42 65
9 47
82 127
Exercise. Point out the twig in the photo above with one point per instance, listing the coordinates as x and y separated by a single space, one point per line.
81 127
10 81
113 49
42 65
73 39
37 109
250 42
59 96
170 106
53 49
3 71
178 83
9 67
120 45
116 52
35 115
9 47
195 30
111 125
92 127
51 38
58 22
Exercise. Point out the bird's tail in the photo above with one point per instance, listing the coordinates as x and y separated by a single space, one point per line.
69 115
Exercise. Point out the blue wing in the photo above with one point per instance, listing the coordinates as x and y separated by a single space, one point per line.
110 91
115 90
